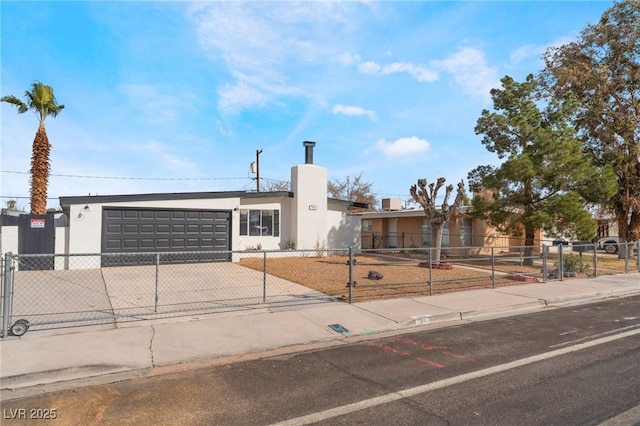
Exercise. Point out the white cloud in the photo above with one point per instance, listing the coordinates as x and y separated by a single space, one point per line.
403 146
353 110
264 45
525 52
418 73
163 156
470 70
235 98
348 59
154 104
538 50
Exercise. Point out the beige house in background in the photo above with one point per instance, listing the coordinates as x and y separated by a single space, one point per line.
395 227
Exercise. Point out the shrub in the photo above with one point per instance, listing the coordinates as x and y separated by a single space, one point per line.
574 263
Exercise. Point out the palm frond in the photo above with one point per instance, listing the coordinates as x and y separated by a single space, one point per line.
22 107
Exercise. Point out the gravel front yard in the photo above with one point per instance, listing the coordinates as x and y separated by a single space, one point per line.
401 277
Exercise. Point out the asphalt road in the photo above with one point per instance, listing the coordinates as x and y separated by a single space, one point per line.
568 366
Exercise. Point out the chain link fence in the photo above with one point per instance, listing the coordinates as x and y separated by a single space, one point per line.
54 291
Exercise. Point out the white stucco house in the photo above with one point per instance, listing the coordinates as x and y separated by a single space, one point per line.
213 221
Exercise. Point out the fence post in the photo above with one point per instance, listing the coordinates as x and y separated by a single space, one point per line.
430 274
6 294
638 254
264 276
493 269
595 260
350 282
155 306
560 262
544 263
626 257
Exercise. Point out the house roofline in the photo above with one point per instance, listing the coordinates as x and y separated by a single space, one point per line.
347 203
86 199
65 202
403 213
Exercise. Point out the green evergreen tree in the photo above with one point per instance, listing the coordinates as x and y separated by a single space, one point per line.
546 179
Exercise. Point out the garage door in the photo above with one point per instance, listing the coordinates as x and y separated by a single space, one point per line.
165 230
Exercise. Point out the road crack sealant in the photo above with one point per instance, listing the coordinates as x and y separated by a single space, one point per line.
153 335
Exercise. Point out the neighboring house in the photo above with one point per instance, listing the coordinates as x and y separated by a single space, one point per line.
214 221
408 228
607 225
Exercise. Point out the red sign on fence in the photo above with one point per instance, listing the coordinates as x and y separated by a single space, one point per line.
37 223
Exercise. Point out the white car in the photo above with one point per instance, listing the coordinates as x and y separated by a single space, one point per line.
608 244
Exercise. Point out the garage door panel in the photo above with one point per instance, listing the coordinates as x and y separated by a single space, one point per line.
113 214
146 228
113 245
113 228
130 228
130 244
163 243
194 243
178 243
147 244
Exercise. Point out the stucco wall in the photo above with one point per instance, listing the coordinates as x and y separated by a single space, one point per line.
343 229
9 240
309 213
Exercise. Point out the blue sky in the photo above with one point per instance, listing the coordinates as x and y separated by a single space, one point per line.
178 96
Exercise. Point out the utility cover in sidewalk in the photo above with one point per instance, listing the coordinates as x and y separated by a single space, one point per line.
339 329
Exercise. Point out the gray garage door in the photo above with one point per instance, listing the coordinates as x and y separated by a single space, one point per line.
189 232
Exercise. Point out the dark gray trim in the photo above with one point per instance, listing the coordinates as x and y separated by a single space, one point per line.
347 203
65 202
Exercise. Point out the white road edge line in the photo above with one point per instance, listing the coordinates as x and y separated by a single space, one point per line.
406 393
582 339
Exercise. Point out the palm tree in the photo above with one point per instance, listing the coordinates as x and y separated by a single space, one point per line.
41 101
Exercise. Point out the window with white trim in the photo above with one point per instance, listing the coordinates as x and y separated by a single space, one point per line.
260 222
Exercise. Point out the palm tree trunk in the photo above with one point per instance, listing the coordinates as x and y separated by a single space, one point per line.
40 171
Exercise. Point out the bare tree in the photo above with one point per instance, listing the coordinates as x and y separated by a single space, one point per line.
271 185
353 189
437 217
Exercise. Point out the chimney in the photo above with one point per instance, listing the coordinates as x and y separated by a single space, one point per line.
308 151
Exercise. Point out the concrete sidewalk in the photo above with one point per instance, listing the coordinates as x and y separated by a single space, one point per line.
40 361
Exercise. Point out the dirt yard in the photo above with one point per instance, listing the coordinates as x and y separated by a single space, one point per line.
400 277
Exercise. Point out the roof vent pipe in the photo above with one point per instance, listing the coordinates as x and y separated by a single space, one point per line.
308 151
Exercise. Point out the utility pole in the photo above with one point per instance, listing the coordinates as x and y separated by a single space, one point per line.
258 152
